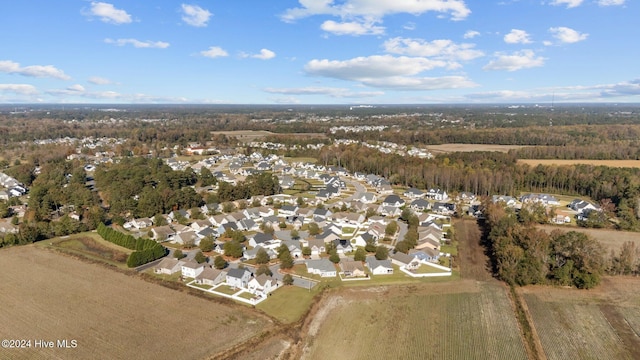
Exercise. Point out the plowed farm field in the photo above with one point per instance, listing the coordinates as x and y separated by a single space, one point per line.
111 315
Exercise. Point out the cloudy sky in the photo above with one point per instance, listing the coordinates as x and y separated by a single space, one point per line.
319 51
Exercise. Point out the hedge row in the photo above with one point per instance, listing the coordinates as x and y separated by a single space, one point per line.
146 250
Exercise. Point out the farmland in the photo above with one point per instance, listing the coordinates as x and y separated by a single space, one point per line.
587 325
47 295
610 239
455 320
610 163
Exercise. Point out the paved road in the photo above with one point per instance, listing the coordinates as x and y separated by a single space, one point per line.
359 188
401 233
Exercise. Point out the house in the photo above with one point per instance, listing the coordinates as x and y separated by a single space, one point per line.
191 269
379 267
210 209
362 239
581 206
425 255
288 210
163 233
444 208
420 205
507 200
262 285
402 259
252 253
260 239
211 277
168 266
413 193
238 278
247 225
200 224
562 219
352 268
218 220
322 267
545 199
391 211
328 236
466 196
178 214
437 194
393 200
317 246
366 197
342 246
187 238
226 227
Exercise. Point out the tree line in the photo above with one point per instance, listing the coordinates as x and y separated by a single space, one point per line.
146 250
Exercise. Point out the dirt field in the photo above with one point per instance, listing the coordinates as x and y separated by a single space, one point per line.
610 239
49 296
456 320
595 324
610 163
446 148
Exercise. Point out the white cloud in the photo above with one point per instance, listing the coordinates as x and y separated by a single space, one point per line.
21 89
265 54
516 61
517 37
610 2
72 90
438 49
330 91
214 52
285 100
386 71
195 15
376 9
138 43
567 35
40 71
570 3
100 80
109 14
409 26
371 67
421 83
352 28
471 34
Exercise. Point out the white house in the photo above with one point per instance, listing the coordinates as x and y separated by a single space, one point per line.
379 267
437 194
322 267
262 285
239 278
168 266
211 277
191 269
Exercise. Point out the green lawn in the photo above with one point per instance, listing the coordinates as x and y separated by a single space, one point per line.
202 286
426 269
451 249
226 289
246 295
288 303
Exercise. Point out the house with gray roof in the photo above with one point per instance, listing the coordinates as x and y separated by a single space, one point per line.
322 267
238 278
379 267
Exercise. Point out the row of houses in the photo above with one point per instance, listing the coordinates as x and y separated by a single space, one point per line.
204 274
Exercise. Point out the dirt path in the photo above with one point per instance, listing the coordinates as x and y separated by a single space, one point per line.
474 263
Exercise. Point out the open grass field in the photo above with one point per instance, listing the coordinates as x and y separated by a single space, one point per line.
610 239
596 324
610 163
455 320
47 295
447 148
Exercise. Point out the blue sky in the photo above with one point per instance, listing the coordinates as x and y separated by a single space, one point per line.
319 51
